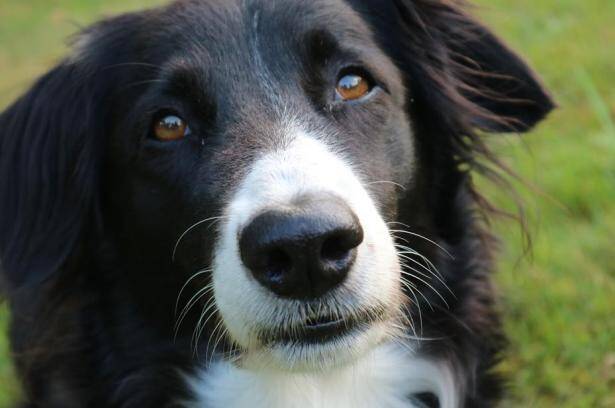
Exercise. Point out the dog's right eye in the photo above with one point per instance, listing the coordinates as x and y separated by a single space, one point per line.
170 127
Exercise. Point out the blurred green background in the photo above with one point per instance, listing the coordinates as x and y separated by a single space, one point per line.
559 303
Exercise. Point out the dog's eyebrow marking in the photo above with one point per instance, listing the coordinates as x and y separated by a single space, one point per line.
187 79
322 45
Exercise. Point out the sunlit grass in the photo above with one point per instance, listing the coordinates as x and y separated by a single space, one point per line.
560 302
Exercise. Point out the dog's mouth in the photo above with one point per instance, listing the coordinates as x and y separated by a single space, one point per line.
321 329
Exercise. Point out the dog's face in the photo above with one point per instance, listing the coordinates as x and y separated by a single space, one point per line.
256 156
281 145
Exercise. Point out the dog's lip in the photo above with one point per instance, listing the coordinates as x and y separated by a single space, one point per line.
326 328
317 330
320 329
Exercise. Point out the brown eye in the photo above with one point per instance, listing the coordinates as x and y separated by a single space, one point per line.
352 87
170 128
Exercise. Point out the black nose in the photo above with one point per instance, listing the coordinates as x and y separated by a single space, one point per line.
303 250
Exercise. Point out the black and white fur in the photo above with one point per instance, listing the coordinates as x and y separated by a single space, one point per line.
120 252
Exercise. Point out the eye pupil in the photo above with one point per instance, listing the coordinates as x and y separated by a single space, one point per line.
170 127
352 86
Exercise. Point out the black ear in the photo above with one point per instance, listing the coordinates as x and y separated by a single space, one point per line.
453 60
493 77
48 173
51 149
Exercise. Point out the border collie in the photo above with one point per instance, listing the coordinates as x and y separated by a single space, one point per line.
256 203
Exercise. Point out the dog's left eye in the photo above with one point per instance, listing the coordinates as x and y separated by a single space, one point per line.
170 127
352 86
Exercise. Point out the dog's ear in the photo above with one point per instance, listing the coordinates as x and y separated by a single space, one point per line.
493 77
51 146
48 173
443 49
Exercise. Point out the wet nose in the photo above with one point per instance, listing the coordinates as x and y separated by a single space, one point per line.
304 250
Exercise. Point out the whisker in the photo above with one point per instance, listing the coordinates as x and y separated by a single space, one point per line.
199 273
410 337
413 251
213 333
211 311
191 303
427 265
387 182
407 258
181 320
426 283
223 333
419 292
192 227
407 317
416 302
420 236
433 271
208 311
399 340
431 268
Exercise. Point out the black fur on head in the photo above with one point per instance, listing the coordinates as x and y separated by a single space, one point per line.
458 73
86 213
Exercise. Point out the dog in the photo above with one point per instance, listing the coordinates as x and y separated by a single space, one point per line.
253 203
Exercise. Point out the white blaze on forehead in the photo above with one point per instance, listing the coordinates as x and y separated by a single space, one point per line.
304 166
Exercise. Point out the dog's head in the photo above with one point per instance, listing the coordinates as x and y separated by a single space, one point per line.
260 157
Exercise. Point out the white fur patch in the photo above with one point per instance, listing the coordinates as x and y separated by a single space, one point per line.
360 370
384 378
305 165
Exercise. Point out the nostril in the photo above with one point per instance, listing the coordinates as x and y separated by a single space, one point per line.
335 248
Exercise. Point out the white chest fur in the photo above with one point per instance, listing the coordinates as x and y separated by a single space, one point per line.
385 378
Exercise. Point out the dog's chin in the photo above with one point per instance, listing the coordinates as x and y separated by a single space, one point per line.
317 347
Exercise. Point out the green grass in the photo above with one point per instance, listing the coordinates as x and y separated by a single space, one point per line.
559 304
